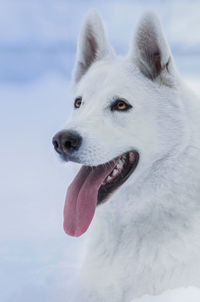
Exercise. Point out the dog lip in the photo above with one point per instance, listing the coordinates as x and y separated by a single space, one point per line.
70 157
106 190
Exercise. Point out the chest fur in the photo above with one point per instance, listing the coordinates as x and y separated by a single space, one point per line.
148 232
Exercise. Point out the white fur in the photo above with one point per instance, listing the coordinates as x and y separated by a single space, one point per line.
146 238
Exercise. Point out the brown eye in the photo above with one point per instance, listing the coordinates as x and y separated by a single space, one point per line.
120 105
77 103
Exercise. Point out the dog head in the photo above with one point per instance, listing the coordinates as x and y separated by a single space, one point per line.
127 115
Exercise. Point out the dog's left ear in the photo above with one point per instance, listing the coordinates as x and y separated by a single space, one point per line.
92 44
151 52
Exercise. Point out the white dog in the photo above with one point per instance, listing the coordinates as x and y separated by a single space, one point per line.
136 132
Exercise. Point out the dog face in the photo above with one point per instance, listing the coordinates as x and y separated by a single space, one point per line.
144 82
108 130
127 111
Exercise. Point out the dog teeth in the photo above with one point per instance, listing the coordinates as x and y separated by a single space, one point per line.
109 178
115 172
120 164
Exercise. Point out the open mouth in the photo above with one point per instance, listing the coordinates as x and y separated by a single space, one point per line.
124 167
93 186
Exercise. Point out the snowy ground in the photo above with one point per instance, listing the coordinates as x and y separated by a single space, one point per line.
36 257
38 262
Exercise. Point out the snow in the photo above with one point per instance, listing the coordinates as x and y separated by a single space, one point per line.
38 261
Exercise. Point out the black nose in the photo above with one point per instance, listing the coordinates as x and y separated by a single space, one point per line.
66 141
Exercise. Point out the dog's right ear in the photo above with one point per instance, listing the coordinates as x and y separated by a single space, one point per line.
92 44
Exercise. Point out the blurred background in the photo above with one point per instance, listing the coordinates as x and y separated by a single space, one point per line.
38 262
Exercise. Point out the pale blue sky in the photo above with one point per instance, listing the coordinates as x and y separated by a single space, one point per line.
37 37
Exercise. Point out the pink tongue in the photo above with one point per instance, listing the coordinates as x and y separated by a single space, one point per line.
81 198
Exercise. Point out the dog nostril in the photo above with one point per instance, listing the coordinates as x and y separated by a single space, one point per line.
68 144
55 143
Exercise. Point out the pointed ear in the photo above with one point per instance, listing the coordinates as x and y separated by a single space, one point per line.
151 52
92 44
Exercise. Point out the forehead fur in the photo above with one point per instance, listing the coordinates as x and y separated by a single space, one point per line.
116 75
